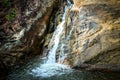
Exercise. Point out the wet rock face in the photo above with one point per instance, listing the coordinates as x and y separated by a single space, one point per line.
96 35
23 37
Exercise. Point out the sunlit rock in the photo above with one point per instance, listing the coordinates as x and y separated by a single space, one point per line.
95 38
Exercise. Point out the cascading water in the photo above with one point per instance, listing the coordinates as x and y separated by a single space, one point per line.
50 67
55 39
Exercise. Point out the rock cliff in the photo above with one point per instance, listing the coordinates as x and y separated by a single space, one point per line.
95 38
90 40
23 25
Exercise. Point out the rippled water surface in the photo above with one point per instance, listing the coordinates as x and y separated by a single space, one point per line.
35 70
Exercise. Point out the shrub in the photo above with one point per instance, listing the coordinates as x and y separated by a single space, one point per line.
11 15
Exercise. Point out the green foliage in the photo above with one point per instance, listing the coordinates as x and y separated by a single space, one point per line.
6 3
11 15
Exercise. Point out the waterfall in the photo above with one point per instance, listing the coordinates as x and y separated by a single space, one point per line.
50 67
69 2
62 54
55 39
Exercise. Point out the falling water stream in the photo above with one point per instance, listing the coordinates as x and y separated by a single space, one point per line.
48 68
55 39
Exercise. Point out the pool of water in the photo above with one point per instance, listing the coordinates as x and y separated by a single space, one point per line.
37 70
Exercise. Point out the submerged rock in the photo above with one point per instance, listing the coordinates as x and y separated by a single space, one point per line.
98 67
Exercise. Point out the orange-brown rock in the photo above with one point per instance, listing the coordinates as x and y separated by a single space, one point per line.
95 37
